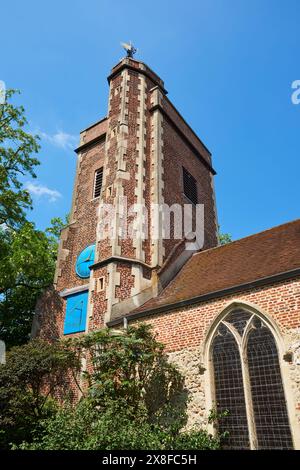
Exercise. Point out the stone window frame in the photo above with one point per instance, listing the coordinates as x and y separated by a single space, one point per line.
98 171
210 392
191 193
101 284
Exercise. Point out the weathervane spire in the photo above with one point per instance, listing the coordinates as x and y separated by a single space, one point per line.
129 48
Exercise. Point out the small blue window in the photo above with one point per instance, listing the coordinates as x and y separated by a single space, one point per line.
75 319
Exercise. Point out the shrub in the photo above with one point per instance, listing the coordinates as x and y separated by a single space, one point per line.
129 365
29 380
133 398
116 427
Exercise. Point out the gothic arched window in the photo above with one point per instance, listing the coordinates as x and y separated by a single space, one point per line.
248 384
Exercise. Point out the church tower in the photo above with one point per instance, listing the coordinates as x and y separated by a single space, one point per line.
142 155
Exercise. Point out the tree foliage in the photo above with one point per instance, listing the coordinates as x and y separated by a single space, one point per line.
16 161
53 233
116 427
224 238
27 264
132 398
129 365
27 255
32 374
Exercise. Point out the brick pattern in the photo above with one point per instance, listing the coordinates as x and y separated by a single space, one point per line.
176 156
83 230
281 301
94 131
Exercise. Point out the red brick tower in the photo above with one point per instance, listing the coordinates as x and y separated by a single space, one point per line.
145 151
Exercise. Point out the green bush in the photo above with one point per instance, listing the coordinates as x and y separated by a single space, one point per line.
132 397
129 365
116 427
29 381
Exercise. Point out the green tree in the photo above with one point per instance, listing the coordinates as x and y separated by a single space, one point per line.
27 264
16 161
53 232
129 365
32 374
135 399
224 238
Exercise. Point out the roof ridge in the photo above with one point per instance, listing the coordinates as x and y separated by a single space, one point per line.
203 276
185 265
244 238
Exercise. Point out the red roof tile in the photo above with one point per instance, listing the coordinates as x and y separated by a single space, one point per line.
264 254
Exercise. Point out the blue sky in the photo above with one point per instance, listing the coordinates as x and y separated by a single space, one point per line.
228 66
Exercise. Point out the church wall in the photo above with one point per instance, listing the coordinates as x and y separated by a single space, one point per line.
174 115
177 154
184 332
82 230
79 233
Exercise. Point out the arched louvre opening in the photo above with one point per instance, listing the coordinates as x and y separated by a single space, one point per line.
229 389
269 406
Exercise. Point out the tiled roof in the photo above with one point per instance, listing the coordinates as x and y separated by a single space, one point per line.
249 259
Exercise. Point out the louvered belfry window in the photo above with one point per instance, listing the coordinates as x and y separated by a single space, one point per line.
190 186
98 182
248 384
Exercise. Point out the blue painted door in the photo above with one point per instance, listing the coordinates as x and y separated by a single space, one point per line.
76 311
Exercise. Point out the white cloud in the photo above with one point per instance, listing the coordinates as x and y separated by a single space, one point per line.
39 190
61 139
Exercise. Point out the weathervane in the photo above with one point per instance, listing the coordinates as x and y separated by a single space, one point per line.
129 48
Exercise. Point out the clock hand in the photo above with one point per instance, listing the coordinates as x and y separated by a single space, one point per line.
89 257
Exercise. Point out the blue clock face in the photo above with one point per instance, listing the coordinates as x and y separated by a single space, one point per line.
84 261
